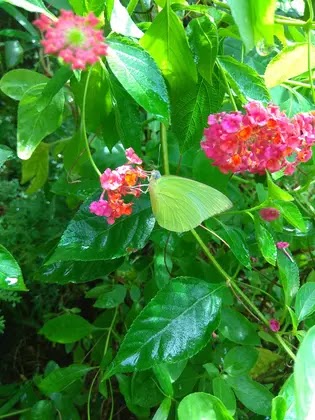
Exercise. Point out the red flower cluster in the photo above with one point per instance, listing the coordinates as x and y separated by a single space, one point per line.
259 140
117 184
75 39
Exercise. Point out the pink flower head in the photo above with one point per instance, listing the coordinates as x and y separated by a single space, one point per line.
100 208
274 325
111 180
132 157
269 214
75 39
260 139
282 245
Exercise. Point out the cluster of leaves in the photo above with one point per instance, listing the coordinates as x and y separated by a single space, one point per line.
145 322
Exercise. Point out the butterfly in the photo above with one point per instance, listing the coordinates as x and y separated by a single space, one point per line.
181 204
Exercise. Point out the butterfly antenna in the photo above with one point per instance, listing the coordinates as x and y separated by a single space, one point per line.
215 234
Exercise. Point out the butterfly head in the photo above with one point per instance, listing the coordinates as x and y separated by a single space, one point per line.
155 175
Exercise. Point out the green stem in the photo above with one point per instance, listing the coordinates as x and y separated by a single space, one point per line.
14 413
231 283
296 83
83 127
131 6
165 149
227 85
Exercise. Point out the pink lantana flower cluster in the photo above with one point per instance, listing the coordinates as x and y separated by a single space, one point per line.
75 39
117 184
269 214
260 139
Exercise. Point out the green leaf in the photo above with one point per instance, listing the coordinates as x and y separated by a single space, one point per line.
10 273
276 192
33 125
305 301
200 405
5 154
76 271
16 82
203 39
190 112
121 22
163 411
66 328
237 328
166 42
60 379
278 408
254 19
244 80
292 214
43 409
164 378
35 6
139 75
304 377
13 53
280 68
112 298
224 393
89 237
36 168
240 360
266 243
145 391
234 237
184 305
289 276
287 392
253 395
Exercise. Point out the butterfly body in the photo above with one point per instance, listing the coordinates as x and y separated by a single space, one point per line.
181 204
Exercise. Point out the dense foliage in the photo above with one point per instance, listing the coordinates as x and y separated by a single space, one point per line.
127 294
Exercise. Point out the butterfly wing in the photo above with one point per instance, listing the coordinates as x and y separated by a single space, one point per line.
181 204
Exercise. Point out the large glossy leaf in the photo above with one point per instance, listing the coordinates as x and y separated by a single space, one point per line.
76 271
253 395
200 405
280 68
190 112
166 42
288 394
244 80
60 379
289 276
16 82
121 22
35 6
10 273
305 301
137 72
304 377
66 328
33 125
255 20
203 39
176 324
89 237
237 328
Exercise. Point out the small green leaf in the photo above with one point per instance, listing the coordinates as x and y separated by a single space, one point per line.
36 168
304 377
16 82
237 328
278 408
5 154
305 301
224 393
90 238
289 276
60 379
112 298
203 39
66 328
43 409
240 360
10 273
280 68
287 392
200 405
163 411
156 336
276 192
164 378
121 22
234 237
244 80
33 125
292 214
139 75
253 395
35 6
266 243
